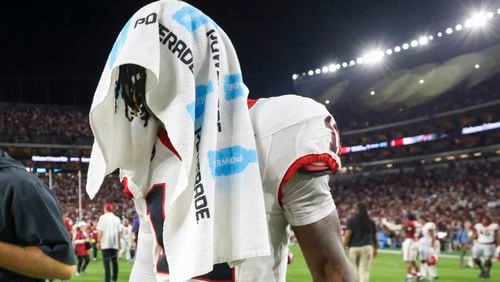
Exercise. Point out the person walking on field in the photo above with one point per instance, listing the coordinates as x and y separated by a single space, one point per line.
109 227
361 239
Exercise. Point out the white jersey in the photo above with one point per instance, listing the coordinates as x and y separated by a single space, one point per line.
285 146
426 231
127 233
291 132
486 234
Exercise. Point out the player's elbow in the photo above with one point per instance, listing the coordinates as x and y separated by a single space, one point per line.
66 272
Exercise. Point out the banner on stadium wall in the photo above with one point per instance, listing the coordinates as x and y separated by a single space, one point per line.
405 141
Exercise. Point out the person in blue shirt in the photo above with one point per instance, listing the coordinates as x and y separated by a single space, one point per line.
464 240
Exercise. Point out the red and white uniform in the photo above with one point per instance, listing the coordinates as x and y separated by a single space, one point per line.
410 246
294 134
297 144
484 246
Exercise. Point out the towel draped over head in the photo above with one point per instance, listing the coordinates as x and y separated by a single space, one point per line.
173 76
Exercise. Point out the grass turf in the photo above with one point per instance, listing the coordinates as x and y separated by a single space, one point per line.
386 268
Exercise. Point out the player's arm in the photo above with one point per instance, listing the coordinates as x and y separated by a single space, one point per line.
309 208
432 233
32 262
321 244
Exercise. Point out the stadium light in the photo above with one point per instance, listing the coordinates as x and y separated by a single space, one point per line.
406 46
478 20
423 40
431 37
421 81
337 66
374 56
325 69
458 27
478 154
352 63
388 52
414 43
295 76
360 60
332 68
318 71
440 34
310 73
372 93
449 30
477 66
327 102
498 11
344 65
397 49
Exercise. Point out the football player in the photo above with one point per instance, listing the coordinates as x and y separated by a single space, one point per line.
486 237
428 245
298 146
410 246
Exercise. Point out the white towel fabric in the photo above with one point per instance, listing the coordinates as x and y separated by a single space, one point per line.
193 84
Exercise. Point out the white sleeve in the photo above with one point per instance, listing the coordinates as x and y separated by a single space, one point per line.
307 199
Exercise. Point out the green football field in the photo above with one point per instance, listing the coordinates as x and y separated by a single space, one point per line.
386 268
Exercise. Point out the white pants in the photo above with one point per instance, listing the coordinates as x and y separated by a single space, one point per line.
410 250
486 251
143 269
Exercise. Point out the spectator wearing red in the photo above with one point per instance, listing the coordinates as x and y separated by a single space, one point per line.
82 246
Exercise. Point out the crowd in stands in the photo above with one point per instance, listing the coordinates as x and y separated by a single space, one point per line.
446 194
43 124
24 123
65 187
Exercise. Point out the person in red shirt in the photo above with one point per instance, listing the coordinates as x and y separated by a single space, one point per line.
93 235
69 224
410 247
82 245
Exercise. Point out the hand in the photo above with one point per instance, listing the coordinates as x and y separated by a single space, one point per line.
375 252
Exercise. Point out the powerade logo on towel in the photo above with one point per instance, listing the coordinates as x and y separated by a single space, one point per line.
233 86
117 47
197 108
231 160
191 18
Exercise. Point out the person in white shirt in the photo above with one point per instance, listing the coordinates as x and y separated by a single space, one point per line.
428 245
126 240
109 228
486 239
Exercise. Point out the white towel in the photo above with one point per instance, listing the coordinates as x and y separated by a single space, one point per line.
193 84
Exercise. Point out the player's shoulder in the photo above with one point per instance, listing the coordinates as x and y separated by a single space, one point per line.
19 181
430 225
478 226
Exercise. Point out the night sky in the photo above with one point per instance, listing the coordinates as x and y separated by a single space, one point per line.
274 39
